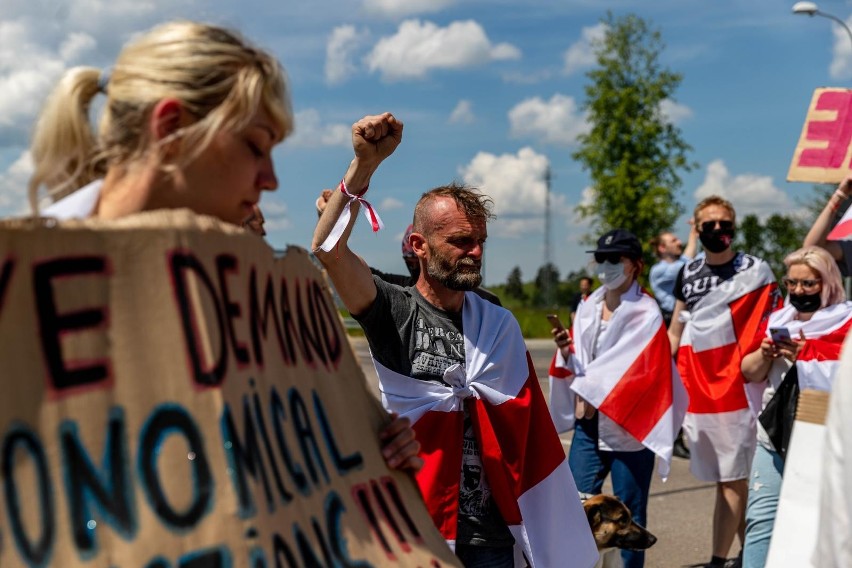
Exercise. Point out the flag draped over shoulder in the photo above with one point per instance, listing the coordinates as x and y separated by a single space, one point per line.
562 398
522 455
819 357
725 325
632 379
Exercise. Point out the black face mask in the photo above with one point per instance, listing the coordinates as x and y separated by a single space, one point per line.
717 240
805 303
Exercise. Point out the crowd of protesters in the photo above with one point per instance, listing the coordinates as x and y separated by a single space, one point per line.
700 354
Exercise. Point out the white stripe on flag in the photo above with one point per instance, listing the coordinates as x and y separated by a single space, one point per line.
728 439
818 375
545 509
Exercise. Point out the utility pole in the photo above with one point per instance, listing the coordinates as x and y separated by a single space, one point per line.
547 292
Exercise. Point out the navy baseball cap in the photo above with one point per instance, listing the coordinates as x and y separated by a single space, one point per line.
620 241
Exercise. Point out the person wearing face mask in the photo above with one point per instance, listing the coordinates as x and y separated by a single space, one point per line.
722 299
818 318
619 360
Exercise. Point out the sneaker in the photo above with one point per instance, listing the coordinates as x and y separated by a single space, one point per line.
734 562
680 450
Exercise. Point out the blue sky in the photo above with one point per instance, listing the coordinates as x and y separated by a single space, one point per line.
489 91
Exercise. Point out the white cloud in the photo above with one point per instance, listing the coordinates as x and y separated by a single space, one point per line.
419 47
674 112
40 40
586 198
516 183
581 54
841 64
556 121
389 204
13 186
749 193
28 70
463 113
311 132
403 8
340 51
75 45
276 215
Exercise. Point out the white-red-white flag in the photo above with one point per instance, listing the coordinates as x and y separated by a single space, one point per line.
630 377
523 458
724 326
842 231
819 357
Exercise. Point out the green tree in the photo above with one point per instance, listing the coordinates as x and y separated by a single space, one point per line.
546 284
515 285
633 152
772 239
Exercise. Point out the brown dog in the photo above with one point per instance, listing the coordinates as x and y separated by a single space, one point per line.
614 528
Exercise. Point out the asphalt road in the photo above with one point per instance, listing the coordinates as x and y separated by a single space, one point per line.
680 510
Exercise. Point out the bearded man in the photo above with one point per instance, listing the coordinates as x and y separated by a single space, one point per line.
495 480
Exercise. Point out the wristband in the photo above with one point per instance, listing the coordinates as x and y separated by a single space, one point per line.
837 193
345 190
343 221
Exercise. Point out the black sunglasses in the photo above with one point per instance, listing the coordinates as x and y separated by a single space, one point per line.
708 226
611 257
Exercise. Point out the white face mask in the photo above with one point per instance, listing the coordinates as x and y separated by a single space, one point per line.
611 275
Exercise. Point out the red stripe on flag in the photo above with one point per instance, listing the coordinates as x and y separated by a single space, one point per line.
750 315
643 394
826 347
841 231
520 446
713 379
440 436
558 372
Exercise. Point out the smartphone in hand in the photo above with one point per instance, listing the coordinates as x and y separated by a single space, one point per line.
780 334
554 321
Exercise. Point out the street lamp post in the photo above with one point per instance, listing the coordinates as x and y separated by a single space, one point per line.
811 9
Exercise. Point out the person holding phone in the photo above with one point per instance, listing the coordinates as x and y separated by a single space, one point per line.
805 335
620 354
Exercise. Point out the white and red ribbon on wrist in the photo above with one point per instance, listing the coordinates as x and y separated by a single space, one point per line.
342 221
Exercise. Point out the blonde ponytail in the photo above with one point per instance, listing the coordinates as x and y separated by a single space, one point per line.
64 146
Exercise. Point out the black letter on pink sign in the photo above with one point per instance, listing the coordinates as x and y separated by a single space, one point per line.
52 324
180 265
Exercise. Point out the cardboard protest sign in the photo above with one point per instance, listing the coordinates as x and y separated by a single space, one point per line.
824 151
797 517
175 397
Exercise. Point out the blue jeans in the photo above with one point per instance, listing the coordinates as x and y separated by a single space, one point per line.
764 488
631 476
486 556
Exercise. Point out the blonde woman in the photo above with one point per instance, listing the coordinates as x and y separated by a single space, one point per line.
816 317
192 114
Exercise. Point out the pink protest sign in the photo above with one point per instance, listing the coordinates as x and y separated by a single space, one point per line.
823 152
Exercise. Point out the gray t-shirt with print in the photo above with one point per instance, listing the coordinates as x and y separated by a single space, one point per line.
411 337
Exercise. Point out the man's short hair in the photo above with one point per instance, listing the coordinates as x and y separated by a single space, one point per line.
587 279
714 200
657 241
475 205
